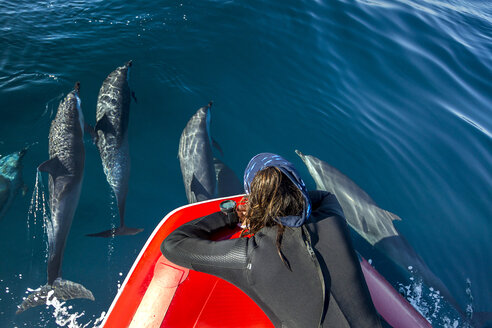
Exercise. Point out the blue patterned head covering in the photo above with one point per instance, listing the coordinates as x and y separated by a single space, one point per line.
264 160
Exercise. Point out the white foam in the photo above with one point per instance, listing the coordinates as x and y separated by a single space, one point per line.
431 305
64 317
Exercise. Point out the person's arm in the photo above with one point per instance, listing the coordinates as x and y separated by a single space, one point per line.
191 246
348 286
325 203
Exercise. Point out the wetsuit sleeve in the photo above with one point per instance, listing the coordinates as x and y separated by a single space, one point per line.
191 246
325 203
348 287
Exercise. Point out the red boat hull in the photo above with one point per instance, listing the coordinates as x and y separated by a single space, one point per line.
157 293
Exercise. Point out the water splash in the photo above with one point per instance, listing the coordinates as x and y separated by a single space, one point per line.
111 245
38 208
63 314
64 317
114 217
119 282
469 306
431 304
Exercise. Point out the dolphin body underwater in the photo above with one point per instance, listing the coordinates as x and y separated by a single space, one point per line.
204 176
66 170
372 222
112 117
10 179
228 183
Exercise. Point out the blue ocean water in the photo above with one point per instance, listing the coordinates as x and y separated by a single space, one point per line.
395 94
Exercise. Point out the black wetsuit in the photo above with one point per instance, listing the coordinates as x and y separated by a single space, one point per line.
289 298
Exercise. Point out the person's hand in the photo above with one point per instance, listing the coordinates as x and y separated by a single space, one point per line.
241 210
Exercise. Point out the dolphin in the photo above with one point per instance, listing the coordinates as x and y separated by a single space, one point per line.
372 222
196 157
364 216
204 176
10 179
66 170
112 116
228 183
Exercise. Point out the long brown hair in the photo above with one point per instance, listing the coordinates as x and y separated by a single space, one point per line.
272 196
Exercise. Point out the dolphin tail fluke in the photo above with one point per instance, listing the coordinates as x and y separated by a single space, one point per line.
62 290
120 231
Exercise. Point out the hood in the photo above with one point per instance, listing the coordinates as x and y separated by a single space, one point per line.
264 160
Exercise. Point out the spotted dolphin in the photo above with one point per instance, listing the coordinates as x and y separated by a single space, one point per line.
112 117
371 222
10 179
196 157
66 170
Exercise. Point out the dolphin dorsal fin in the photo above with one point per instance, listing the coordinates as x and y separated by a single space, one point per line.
384 214
393 216
104 124
54 167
